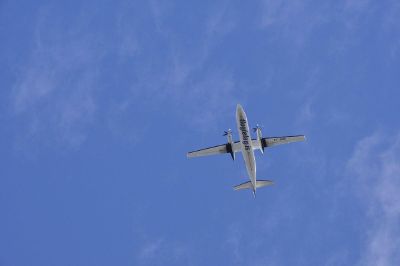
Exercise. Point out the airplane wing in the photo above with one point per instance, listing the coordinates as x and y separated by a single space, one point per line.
273 141
219 149
224 148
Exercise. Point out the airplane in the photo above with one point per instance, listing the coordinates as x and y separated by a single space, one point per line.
246 145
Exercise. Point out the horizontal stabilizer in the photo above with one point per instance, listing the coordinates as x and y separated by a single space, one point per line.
259 183
263 183
243 186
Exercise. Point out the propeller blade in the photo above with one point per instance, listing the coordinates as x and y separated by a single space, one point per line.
257 127
227 132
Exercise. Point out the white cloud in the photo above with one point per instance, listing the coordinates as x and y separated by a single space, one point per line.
375 165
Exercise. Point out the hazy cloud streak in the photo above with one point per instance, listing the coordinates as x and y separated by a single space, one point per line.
375 164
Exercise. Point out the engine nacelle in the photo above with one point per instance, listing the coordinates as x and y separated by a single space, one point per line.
229 147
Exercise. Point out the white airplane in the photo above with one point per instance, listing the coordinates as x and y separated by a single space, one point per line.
246 145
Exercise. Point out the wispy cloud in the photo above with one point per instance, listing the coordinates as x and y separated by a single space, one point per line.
296 22
306 113
151 249
375 164
291 21
183 76
354 11
233 243
161 251
391 27
54 93
221 20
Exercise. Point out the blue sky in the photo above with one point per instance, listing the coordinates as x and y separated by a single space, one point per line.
101 100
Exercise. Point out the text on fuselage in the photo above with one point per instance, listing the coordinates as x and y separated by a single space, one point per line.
245 135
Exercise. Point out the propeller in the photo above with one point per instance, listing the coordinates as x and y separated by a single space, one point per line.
227 132
257 127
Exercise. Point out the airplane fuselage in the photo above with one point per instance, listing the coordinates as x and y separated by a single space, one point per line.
246 145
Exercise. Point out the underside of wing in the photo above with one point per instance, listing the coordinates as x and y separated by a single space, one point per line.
219 149
234 147
273 141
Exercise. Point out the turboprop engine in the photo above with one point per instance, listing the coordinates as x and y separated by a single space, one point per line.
257 129
229 147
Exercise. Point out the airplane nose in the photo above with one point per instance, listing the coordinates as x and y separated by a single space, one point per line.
239 109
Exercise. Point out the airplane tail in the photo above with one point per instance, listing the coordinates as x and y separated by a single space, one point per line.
249 185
